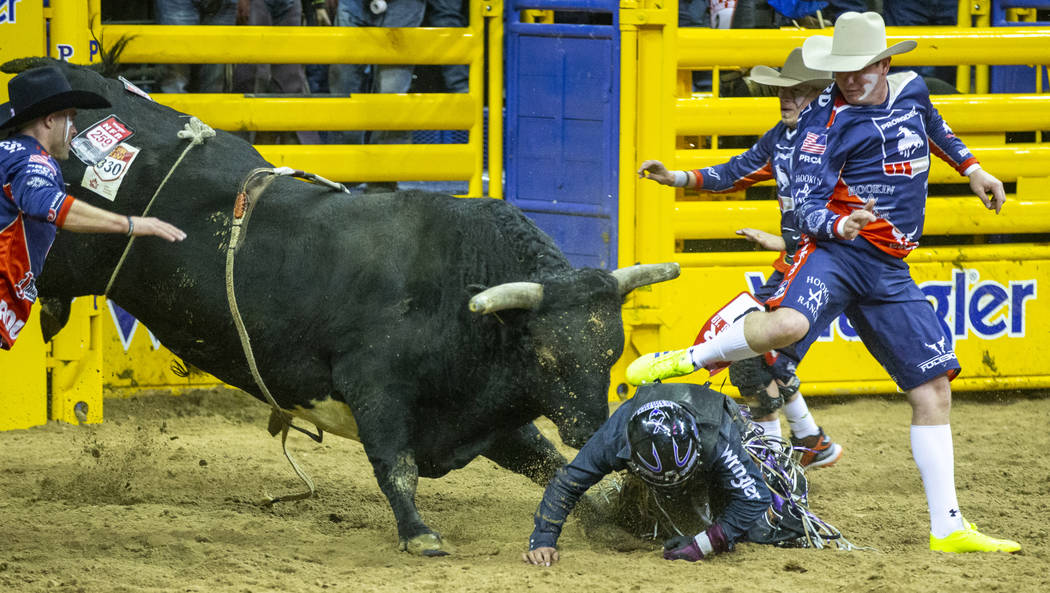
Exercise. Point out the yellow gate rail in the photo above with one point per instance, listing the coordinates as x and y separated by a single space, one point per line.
430 111
167 44
965 113
938 46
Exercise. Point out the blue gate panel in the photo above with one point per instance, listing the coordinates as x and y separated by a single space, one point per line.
586 177
582 238
562 130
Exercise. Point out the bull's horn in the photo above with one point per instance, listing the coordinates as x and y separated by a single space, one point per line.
632 277
512 295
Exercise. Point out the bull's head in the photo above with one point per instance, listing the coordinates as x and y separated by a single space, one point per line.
575 336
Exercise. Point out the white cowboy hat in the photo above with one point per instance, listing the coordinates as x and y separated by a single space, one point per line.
859 40
793 73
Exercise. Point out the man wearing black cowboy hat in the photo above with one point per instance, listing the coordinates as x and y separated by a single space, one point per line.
39 118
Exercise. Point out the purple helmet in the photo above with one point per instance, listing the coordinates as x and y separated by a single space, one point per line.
665 444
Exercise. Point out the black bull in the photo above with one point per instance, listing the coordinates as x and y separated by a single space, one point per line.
357 307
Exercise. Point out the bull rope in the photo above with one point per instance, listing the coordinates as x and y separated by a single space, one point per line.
196 131
250 192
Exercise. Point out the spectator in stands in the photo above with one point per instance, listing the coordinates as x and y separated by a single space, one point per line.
286 79
318 13
347 79
450 13
201 78
721 13
837 7
944 13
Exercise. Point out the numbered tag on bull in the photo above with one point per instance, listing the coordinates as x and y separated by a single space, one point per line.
93 144
105 178
729 314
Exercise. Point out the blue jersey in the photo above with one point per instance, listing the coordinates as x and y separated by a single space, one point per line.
848 154
34 202
769 158
607 451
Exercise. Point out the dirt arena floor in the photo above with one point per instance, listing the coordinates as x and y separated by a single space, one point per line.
161 498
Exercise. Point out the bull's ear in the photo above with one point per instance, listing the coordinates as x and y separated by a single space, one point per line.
22 64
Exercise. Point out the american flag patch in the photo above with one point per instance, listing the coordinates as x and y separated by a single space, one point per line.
814 143
41 160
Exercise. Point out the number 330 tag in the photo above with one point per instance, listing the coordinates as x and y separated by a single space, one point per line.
106 177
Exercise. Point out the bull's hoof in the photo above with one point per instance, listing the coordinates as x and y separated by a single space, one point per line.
427 544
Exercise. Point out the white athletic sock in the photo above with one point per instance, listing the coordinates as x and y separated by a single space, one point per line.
771 427
798 417
727 346
931 446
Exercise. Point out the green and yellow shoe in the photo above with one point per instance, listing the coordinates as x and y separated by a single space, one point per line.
657 366
968 539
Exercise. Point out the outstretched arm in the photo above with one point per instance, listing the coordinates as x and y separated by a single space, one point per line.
85 218
595 460
767 241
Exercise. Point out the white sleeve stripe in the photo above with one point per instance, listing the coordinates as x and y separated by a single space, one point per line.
838 225
704 543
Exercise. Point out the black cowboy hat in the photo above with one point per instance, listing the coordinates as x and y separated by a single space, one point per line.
41 91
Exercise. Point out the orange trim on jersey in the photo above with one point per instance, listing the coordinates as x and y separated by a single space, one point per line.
806 246
959 167
64 210
781 264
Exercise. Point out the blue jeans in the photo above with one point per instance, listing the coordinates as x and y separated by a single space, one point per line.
837 7
904 13
203 78
347 79
288 79
449 13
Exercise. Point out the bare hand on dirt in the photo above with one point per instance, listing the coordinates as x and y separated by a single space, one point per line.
541 556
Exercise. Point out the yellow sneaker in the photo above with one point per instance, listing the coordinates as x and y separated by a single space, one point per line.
657 366
968 539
